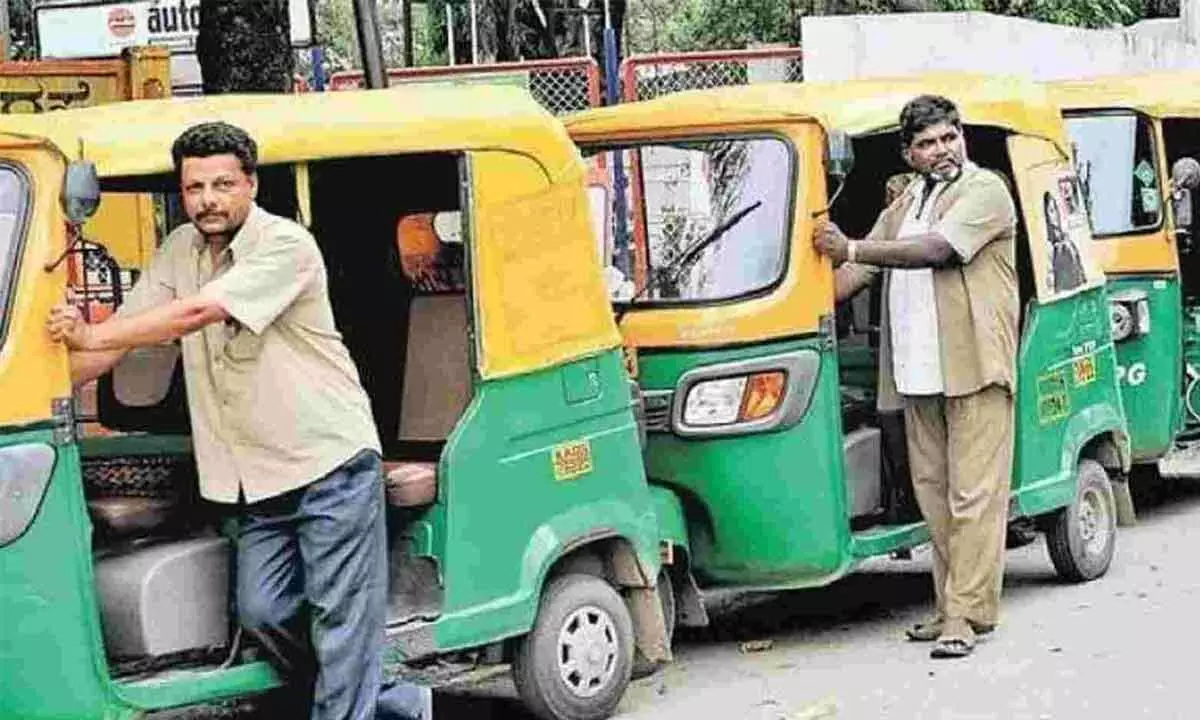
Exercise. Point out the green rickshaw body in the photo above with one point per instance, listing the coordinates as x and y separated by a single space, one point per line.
797 498
1128 134
506 388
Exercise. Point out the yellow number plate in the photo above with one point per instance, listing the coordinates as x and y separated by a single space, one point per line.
573 459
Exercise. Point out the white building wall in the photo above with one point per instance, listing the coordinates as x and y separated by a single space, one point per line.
856 46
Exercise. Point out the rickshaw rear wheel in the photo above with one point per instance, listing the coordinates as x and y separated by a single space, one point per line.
665 589
1082 537
578 659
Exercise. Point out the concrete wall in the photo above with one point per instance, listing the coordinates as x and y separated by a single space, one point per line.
844 47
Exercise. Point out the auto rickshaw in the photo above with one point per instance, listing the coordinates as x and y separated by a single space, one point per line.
1135 140
760 393
455 228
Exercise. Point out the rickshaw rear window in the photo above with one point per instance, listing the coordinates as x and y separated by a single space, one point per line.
1114 158
14 192
695 221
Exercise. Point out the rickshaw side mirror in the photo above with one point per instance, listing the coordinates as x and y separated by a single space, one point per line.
81 191
839 154
1185 177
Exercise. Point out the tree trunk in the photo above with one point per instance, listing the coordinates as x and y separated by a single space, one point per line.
245 46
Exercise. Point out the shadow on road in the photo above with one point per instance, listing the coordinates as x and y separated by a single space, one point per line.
1155 497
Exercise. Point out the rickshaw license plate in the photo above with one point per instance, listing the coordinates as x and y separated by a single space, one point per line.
572 460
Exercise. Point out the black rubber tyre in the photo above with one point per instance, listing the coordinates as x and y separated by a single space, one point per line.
1082 537
666 597
1019 534
577 661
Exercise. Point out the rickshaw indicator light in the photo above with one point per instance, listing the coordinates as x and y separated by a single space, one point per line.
764 393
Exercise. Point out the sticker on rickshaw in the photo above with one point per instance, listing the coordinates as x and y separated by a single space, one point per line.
631 361
1084 370
572 460
1053 403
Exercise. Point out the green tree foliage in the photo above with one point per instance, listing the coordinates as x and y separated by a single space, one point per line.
1082 13
245 46
22 45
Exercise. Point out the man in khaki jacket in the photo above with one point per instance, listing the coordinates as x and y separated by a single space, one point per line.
947 356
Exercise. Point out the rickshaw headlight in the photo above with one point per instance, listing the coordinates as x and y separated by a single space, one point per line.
737 399
714 402
24 474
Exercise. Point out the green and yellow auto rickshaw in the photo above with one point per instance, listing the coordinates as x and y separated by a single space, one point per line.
456 231
759 392
1135 140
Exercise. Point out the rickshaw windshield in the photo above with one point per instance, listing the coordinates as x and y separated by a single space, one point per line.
697 221
1114 157
14 193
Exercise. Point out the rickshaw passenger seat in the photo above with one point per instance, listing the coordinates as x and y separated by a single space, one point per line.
116 517
410 484
437 388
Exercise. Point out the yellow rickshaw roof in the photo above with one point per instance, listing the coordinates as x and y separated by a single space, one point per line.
1162 94
859 107
134 138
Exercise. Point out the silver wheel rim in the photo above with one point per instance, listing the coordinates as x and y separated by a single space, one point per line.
587 651
1093 520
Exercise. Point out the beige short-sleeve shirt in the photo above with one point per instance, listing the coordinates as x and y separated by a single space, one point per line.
977 301
275 399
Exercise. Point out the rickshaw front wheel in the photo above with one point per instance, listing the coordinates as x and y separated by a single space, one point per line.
578 659
1082 537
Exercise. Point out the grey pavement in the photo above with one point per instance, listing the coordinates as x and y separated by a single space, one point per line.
1119 647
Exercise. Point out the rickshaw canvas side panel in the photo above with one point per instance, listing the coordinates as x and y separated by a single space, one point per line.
532 314
1066 366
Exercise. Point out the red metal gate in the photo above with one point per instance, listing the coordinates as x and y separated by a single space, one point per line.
649 76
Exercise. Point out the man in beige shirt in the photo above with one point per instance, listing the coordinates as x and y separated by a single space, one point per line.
947 356
281 425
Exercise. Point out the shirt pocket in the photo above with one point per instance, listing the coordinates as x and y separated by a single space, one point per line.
243 346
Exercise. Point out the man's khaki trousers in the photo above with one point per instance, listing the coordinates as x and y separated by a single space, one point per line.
960 451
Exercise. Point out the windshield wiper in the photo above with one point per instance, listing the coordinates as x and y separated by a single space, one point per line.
684 260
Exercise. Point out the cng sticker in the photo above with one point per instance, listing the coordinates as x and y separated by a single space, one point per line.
572 460
1133 375
1084 370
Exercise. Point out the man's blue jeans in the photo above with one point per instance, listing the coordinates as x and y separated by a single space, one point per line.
312 588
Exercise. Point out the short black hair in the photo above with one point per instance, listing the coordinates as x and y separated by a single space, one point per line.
925 111
216 138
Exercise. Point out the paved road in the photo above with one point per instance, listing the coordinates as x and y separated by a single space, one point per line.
1119 647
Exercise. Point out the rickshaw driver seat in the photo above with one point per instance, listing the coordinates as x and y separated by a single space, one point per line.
437 388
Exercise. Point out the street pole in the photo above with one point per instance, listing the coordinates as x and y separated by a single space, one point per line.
406 7
5 31
474 33
370 43
450 32
316 50
622 257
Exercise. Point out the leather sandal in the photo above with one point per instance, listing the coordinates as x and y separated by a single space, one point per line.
957 641
927 631
952 647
